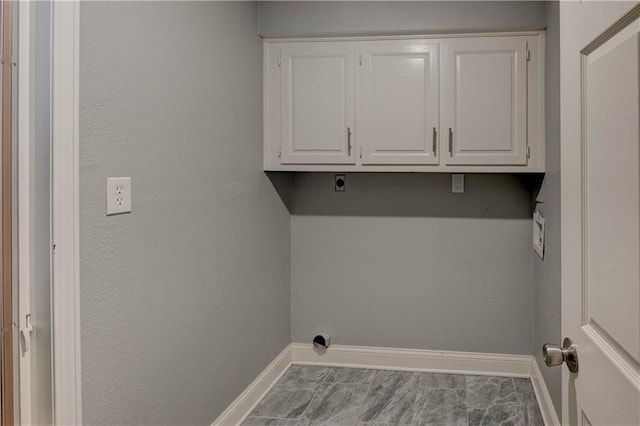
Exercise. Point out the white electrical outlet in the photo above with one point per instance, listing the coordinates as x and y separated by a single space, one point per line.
118 195
457 183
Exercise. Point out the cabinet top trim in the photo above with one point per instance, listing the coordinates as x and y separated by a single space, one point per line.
390 35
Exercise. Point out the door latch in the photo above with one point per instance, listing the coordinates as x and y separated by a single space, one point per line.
25 332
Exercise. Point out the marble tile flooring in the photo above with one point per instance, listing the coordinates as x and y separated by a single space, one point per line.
313 395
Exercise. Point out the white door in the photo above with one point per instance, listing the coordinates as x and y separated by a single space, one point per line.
601 212
398 102
317 103
484 101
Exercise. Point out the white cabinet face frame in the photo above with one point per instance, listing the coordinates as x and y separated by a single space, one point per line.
484 101
397 108
318 103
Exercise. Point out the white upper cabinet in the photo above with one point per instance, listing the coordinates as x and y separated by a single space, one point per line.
450 103
317 104
397 110
484 102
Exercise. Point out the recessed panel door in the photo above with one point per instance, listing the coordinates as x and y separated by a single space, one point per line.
317 103
484 104
601 213
398 102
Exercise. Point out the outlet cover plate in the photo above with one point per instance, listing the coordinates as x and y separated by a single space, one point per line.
340 183
538 234
118 195
457 183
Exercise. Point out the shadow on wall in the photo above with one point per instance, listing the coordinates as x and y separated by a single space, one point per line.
283 184
504 196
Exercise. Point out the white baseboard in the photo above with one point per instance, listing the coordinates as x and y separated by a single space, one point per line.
391 359
415 359
549 414
246 402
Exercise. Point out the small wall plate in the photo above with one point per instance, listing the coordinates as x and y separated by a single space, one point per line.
118 195
340 183
538 234
457 183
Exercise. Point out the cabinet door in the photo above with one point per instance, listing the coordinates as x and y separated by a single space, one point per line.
484 106
317 103
398 102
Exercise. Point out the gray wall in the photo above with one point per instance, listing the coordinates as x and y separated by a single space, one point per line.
547 272
399 261
185 300
299 17
389 261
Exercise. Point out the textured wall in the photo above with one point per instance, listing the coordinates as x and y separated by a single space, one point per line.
399 261
185 300
391 259
299 17
546 283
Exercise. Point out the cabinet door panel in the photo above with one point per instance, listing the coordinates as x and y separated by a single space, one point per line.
398 103
317 103
485 101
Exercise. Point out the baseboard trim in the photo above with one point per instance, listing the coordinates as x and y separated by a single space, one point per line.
415 359
393 359
246 402
542 394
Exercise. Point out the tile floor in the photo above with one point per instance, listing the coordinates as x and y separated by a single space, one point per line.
312 395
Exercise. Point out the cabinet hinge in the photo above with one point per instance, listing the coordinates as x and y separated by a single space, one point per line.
279 153
528 152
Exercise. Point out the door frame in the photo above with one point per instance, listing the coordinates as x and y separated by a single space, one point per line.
67 406
9 343
24 197
67 383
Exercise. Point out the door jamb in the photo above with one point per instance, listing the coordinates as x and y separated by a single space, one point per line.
8 341
65 213
24 198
